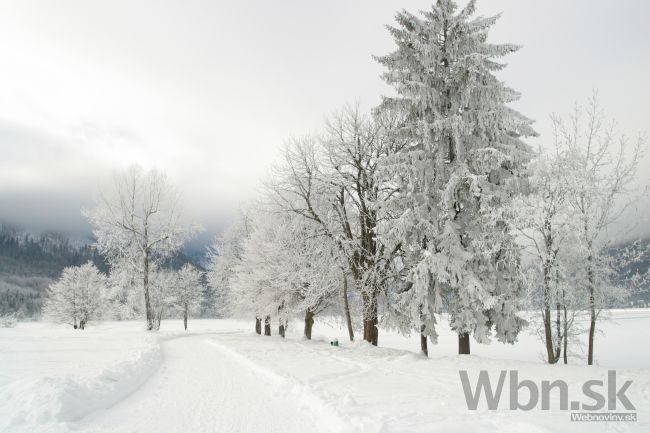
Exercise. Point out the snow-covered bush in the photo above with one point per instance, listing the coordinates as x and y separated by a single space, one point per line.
77 297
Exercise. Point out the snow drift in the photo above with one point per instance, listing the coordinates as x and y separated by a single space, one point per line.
28 403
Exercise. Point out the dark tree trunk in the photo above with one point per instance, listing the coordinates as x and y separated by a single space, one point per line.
281 328
309 323
548 336
423 338
423 343
346 304
147 298
548 331
370 330
592 311
185 318
592 328
267 325
258 326
463 344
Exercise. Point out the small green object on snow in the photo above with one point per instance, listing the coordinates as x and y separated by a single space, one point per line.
334 342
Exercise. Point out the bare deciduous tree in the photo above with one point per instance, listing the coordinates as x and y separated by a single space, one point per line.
138 221
602 168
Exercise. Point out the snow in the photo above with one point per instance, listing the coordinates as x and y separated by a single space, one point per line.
53 374
220 377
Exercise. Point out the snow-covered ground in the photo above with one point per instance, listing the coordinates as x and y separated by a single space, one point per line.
220 377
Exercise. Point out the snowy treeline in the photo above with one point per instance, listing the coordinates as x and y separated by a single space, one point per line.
30 262
138 225
434 203
575 193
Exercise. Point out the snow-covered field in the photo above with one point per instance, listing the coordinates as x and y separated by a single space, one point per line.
221 377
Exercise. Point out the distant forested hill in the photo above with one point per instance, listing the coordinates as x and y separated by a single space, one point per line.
641 266
29 263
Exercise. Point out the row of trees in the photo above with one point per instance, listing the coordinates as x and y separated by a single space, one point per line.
137 225
434 203
569 216
83 294
138 228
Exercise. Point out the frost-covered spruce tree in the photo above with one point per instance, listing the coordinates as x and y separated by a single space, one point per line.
454 178
77 297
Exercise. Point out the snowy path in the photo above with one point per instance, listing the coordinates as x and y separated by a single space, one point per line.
237 382
220 377
203 388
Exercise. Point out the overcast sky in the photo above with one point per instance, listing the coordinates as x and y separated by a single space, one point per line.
208 90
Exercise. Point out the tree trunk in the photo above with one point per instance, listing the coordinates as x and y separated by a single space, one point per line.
592 311
558 329
258 326
147 299
548 335
592 327
157 319
566 331
558 317
309 323
346 305
281 328
185 318
267 325
370 330
423 342
423 338
463 344
548 332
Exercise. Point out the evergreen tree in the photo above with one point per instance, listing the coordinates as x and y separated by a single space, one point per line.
453 180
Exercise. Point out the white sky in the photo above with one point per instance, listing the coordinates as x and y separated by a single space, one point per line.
208 90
